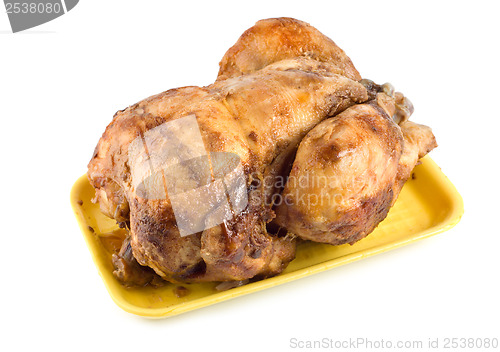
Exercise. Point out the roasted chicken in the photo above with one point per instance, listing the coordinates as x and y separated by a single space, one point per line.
287 103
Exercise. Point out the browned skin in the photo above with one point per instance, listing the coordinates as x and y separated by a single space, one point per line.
127 269
280 80
257 46
261 116
348 172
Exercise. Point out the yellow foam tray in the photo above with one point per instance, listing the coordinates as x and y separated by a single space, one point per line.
428 204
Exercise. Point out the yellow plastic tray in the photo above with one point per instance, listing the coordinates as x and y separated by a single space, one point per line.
428 204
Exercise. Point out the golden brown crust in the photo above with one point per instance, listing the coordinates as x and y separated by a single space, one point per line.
355 165
277 39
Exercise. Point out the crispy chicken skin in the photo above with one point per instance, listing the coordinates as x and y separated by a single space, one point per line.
276 85
277 39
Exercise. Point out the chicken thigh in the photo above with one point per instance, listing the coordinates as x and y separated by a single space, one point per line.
349 170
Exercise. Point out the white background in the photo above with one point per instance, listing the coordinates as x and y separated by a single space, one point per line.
61 82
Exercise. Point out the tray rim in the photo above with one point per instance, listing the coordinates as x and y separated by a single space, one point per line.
452 218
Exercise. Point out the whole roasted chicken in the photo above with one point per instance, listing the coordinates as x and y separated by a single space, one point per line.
216 183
